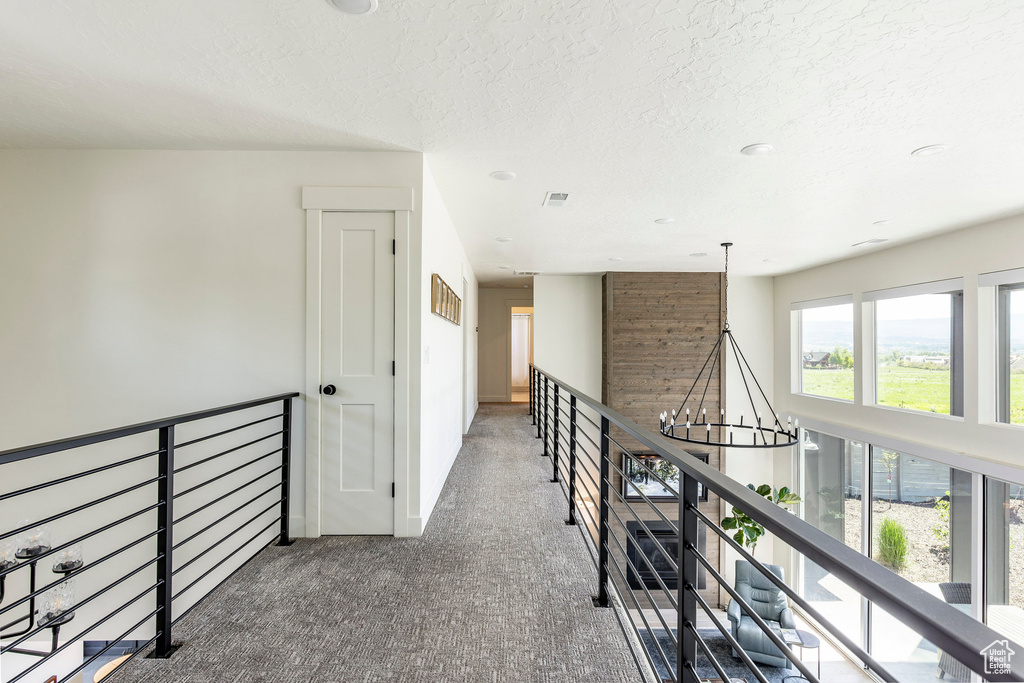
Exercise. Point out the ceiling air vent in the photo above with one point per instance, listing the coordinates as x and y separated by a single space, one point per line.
527 272
876 240
555 199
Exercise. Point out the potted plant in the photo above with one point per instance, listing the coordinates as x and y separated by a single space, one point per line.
748 532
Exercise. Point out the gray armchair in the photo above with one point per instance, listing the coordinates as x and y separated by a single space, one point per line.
770 604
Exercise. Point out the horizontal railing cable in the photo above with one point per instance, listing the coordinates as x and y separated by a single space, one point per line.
956 633
225 559
15 454
79 475
276 488
231 533
151 476
733 643
223 453
225 474
81 570
803 604
185 444
80 508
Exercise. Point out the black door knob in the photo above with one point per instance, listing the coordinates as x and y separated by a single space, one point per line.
329 390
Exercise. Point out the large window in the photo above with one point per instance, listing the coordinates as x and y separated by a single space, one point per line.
919 347
826 349
832 487
1004 555
1010 403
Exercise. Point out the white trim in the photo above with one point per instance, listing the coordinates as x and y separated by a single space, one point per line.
357 198
960 461
312 397
316 200
404 362
1001 277
955 284
821 303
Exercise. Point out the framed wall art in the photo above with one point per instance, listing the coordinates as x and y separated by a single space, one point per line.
444 301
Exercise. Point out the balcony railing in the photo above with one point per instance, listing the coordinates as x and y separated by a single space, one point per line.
149 518
657 589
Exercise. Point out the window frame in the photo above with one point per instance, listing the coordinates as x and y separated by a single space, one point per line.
953 287
798 307
1003 293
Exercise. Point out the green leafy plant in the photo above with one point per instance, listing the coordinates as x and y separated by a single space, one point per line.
892 544
748 532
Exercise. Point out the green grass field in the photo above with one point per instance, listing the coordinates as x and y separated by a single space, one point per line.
911 388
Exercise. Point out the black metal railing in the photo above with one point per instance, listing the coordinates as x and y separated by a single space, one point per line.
150 518
653 565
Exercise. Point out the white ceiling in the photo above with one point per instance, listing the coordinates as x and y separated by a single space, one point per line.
638 109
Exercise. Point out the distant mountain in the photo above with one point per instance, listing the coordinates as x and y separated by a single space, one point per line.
924 336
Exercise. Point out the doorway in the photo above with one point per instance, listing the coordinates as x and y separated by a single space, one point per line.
521 353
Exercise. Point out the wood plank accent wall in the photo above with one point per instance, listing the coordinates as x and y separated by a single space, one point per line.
658 330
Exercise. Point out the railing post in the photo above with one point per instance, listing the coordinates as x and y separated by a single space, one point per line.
165 544
536 390
531 395
602 551
286 465
545 453
554 443
572 460
686 562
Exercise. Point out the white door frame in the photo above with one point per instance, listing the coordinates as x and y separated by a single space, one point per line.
315 201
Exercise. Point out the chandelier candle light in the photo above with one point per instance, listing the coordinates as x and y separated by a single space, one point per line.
756 432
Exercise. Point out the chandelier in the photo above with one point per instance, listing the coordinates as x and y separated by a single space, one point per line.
760 428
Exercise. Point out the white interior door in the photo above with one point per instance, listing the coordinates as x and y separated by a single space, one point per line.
357 356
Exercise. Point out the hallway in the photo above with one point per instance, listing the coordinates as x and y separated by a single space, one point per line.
497 589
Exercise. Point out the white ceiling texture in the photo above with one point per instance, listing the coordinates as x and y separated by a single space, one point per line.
637 109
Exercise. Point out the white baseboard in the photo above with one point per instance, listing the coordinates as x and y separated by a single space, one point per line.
428 504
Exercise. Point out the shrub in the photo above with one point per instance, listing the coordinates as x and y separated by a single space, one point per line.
892 544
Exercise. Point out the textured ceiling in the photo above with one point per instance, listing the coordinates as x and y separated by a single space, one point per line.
637 109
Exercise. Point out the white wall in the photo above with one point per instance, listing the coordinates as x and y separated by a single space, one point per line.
994 246
751 315
567 313
140 284
441 398
495 346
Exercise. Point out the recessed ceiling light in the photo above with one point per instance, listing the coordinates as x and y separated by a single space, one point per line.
874 240
505 267
355 6
664 220
504 175
699 254
930 150
502 239
756 149
615 258
770 260
883 222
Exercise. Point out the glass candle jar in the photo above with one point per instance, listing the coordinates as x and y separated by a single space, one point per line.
33 542
57 602
8 551
68 560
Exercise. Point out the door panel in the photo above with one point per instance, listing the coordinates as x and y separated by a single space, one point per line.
357 350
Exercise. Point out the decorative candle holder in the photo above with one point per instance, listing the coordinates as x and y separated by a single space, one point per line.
8 553
68 560
33 542
56 606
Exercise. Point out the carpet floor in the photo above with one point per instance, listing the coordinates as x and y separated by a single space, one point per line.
497 589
